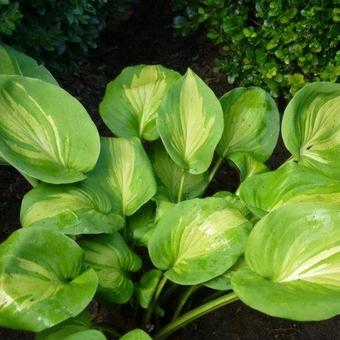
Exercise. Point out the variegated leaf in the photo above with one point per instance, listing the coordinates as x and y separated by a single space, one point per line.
190 123
131 102
42 280
13 62
45 132
147 286
112 259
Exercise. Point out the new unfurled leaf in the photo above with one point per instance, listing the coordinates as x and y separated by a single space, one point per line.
45 132
112 259
293 258
251 124
125 173
71 209
78 328
147 287
14 62
198 240
268 191
131 102
136 334
169 174
190 123
311 127
43 281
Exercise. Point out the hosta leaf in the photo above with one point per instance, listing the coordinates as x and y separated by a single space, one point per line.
125 172
251 123
162 207
293 255
112 260
45 132
142 223
190 123
43 281
311 127
169 174
78 328
198 240
147 287
131 102
268 191
233 201
70 209
14 62
136 334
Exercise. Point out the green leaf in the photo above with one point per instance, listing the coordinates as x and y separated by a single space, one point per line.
162 207
293 255
251 126
45 132
198 240
233 201
268 191
190 123
147 287
112 259
136 334
169 174
311 125
78 328
14 62
43 281
142 223
131 102
125 173
70 209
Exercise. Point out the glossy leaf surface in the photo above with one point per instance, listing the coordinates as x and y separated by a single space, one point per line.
45 132
198 240
14 62
190 123
293 257
43 281
136 334
112 259
311 125
131 102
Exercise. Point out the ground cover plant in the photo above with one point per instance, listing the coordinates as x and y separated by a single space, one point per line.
97 203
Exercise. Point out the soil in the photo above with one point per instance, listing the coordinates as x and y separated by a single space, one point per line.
147 37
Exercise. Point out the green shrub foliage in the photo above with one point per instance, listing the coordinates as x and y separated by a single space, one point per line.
279 45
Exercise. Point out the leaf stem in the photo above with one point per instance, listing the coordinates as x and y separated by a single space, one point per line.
214 169
181 186
195 314
184 298
153 303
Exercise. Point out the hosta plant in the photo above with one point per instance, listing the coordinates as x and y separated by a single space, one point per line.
126 220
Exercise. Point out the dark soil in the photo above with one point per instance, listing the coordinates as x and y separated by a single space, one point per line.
147 37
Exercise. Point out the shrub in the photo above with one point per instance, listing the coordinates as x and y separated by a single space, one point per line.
98 206
56 32
280 45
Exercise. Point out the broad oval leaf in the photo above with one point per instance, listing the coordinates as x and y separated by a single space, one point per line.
190 123
131 102
78 328
43 281
147 286
70 209
125 173
169 174
198 240
136 334
293 255
311 127
268 191
251 123
112 260
45 132
14 62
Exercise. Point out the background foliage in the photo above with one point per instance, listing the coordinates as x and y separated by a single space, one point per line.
279 45
55 31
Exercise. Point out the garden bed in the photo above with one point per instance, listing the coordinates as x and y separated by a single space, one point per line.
147 38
